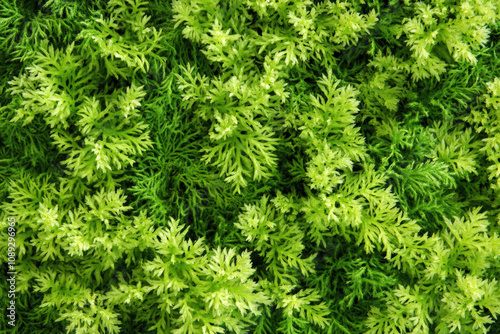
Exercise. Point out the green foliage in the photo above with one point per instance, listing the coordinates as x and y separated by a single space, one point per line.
96 236
280 166
438 33
184 276
278 241
488 122
25 24
122 39
382 86
449 294
246 97
61 86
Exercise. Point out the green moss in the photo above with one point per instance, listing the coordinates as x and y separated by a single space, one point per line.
245 166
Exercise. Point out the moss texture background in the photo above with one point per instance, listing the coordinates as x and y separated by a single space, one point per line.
251 166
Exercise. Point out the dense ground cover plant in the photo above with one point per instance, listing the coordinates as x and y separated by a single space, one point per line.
279 166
